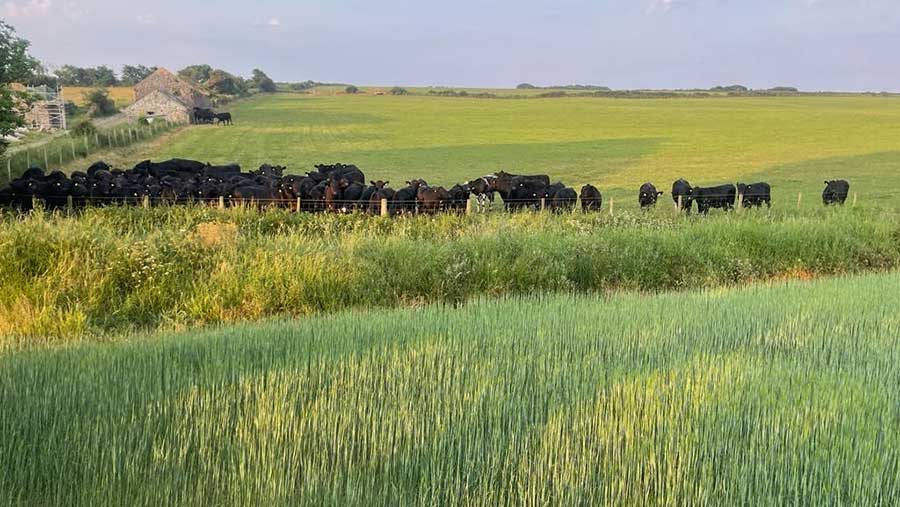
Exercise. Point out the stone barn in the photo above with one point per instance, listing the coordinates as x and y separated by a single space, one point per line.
165 94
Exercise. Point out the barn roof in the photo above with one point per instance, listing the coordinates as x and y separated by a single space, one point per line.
166 74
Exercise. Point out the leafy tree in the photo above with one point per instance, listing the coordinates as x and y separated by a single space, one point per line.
224 83
262 82
526 86
133 74
70 75
399 91
352 90
103 76
16 65
99 104
199 74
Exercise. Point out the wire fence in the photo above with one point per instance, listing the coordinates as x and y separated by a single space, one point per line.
377 206
71 147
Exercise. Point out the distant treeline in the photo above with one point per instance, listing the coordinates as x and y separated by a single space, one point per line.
577 87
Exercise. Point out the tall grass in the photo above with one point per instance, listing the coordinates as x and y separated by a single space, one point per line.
115 270
782 395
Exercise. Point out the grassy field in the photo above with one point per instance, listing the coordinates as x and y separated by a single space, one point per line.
782 395
123 96
793 142
115 270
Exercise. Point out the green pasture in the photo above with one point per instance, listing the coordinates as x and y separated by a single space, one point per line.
792 142
766 396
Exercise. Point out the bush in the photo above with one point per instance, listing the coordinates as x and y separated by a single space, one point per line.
399 91
142 121
72 108
526 86
351 90
99 103
84 128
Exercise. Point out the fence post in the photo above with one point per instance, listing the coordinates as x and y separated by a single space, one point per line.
298 205
740 203
60 156
72 141
221 202
131 135
384 207
70 204
146 202
854 199
799 199
469 206
612 206
46 160
679 203
543 203
87 147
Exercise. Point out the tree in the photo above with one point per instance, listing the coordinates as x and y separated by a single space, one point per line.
199 74
99 104
134 74
262 82
16 65
526 86
399 91
352 90
103 76
224 83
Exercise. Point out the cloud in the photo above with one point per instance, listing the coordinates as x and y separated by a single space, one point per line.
662 6
146 19
72 11
29 9
274 22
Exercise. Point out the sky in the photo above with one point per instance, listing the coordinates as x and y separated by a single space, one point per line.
839 45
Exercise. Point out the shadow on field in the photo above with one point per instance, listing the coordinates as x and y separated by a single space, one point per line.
872 176
574 163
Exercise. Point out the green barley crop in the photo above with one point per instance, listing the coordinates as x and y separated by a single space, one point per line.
770 395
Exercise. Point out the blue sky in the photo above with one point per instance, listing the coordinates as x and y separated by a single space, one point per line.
813 44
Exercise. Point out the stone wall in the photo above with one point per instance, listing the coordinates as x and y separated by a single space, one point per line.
159 103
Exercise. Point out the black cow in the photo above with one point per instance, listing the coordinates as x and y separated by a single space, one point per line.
648 195
204 116
722 196
459 196
682 189
520 191
591 199
835 192
404 200
756 194
224 118
560 198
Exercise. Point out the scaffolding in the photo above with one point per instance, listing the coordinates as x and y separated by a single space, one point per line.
49 110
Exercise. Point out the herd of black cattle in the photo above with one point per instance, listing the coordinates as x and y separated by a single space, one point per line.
343 188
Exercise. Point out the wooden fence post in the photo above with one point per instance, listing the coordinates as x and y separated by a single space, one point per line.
146 202
543 203
612 206
469 206
740 203
221 202
384 207
298 205
87 147
799 199
70 204
854 199
72 141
